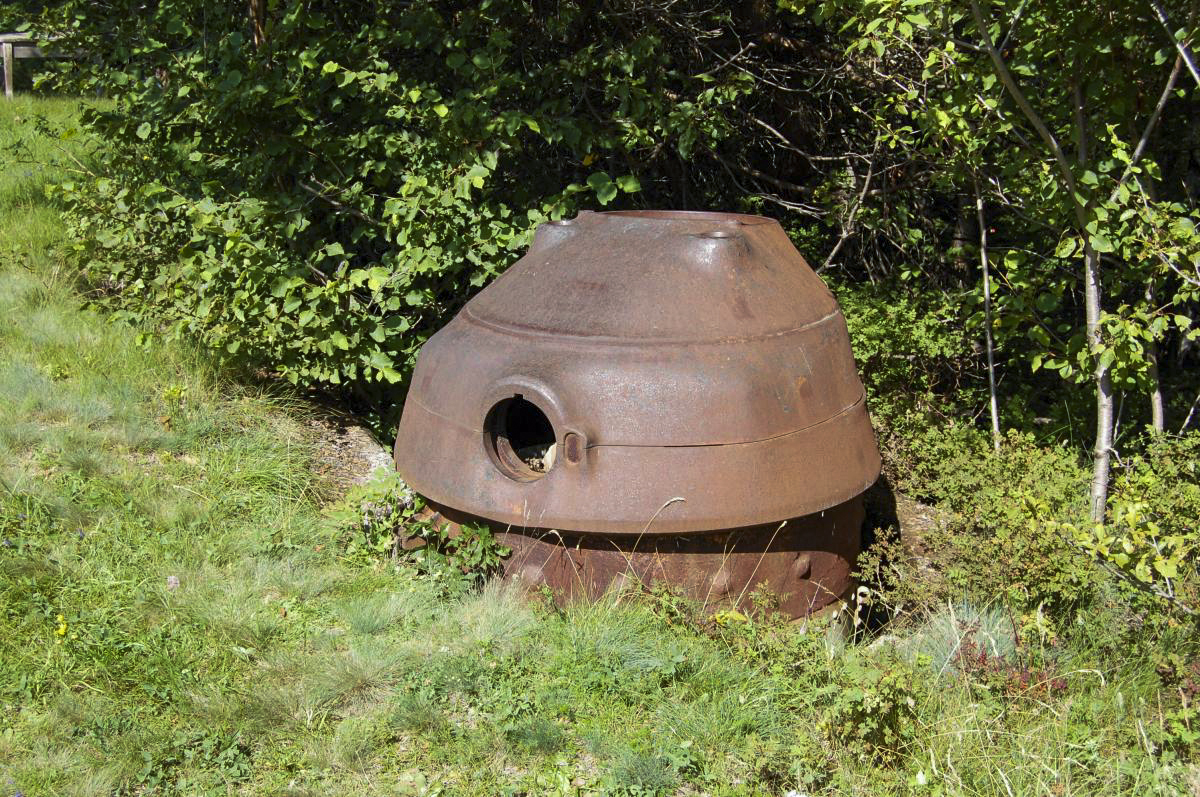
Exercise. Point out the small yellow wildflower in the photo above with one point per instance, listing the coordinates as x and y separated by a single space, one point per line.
62 626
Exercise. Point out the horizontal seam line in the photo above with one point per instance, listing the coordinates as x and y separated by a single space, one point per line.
520 330
831 418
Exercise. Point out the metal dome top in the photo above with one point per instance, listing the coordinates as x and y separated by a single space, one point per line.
685 367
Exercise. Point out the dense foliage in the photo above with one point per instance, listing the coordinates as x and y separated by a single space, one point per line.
312 188
320 199
1003 196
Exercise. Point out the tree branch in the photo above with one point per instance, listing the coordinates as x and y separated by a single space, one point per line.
1151 123
1191 412
1184 52
338 205
1012 26
766 178
848 225
1010 84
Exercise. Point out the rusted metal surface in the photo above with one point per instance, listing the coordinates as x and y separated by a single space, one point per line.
645 373
805 563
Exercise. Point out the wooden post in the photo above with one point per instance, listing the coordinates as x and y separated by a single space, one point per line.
7 49
14 46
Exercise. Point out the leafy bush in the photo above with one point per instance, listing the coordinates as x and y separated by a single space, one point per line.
912 353
990 543
866 699
1151 537
1164 474
989 491
316 197
872 705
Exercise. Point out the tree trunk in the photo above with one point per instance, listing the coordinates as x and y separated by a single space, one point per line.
987 318
1158 419
257 24
1102 453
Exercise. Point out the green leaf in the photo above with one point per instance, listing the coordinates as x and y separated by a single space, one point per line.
1046 302
477 174
329 68
143 131
377 278
1100 243
629 184
1167 568
604 187
339 340
232 79
1066 247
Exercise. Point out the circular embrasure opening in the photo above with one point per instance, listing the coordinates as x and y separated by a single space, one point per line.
520 439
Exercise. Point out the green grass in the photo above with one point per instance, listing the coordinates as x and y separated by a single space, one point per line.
179 616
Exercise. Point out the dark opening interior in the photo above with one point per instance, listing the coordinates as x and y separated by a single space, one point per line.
522 439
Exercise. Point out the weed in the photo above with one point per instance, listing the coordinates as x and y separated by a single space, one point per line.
385 518
536 734
418 713
873 707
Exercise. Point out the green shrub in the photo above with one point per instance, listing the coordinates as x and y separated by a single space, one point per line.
1164 474
872 703
990 491
912 353
990 544
317 203
1151 537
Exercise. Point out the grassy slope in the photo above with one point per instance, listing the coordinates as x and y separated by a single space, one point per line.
176 618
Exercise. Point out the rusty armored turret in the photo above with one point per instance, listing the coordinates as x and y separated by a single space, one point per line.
651 395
